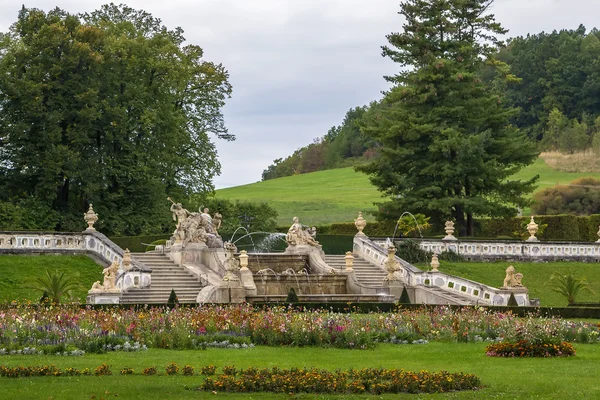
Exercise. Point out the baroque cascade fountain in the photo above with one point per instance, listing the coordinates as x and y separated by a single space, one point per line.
201 268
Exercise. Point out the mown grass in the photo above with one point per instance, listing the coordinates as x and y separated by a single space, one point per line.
337 195
536 277
17 275
526 378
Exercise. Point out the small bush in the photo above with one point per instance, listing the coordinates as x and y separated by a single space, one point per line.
172 369
512 301
525 348
188 370
127 371
292 297
208 370
102 370
404 298
173 300
149 371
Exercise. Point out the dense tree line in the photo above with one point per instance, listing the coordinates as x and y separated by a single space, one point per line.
110 108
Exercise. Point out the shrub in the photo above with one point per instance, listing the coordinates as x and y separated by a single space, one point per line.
173 301
292 297
188 370
580 197
208 370
524 348
102 370
172 369
149 371
404 298
512 301
127 371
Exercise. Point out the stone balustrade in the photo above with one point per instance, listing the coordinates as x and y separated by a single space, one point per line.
514 250
478 293
91 243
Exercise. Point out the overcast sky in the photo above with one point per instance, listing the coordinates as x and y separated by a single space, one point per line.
297 66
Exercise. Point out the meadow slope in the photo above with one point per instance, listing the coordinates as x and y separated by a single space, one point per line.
337 195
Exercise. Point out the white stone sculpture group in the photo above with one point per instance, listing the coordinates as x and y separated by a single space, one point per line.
196 227
300 235
512 280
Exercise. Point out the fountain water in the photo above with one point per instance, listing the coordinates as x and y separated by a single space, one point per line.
414 219
292 272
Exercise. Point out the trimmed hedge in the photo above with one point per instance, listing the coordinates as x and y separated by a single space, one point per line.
134 243
560 227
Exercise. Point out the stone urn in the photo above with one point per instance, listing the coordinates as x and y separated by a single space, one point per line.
391 265
127 260
243 260
349 258
435 263
90 218
360 224
532 228
449 228
598 241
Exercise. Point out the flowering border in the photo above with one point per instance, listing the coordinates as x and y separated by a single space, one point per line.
524 348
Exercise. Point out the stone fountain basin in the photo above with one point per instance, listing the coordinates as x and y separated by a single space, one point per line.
280 284
325 298
277 262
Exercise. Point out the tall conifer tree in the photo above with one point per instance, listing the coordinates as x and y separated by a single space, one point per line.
447 145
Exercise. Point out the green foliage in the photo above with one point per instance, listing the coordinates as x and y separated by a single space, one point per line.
404 298
512 301
448 147
292 297
568 286
419 224
152 246
173 300
580 197
118 114
44 299
55 285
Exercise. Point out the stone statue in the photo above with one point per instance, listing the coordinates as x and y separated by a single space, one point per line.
217 220
512 280
180 214
299 235
206 215
232 266
110 276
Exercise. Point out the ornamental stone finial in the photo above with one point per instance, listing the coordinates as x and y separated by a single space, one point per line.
349 258
532 228
127 260
449 231
243 260
360 224
435 263
90 217
598 241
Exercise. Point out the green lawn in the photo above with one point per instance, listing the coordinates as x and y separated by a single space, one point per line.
559 378
536 277
337 195
17 273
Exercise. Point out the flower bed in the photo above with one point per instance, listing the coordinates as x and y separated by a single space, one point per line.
365 381
525 348
68 328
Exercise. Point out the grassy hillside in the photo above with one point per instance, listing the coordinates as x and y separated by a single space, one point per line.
337 195
17 273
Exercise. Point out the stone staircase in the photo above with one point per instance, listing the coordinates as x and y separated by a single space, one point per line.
454 298
366 273
166 275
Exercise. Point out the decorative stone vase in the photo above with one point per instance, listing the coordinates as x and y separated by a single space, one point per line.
598 241
349 258
449 231
391 265
360 224
435 263
90 218
243 260
532 228
127 260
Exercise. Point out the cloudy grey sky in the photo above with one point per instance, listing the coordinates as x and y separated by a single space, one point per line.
297 66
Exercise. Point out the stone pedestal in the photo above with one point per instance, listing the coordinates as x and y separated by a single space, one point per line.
112 297
247 281
394 287
192 253
503 294
230 292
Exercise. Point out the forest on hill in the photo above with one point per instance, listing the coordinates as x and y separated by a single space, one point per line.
557 94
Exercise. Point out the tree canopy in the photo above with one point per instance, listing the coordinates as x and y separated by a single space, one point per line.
447 145
110 108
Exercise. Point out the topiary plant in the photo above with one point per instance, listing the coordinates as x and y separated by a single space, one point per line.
512 301
292 297
404 298
173 300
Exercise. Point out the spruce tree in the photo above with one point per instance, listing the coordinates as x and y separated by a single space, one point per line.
292 297
173 300
447 147
404 298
